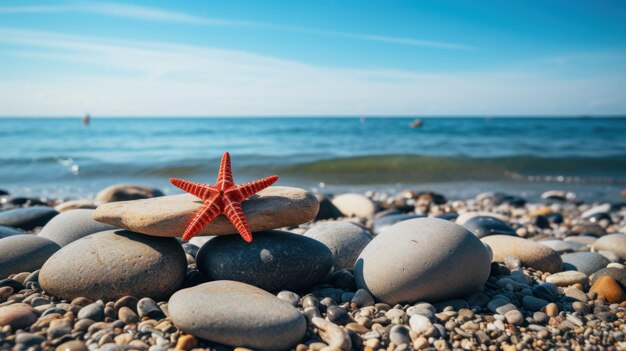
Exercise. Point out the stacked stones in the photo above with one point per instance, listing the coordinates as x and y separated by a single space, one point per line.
409 271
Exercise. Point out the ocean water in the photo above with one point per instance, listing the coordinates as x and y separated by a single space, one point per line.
459 157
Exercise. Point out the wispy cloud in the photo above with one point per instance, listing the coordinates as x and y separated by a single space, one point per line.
155 14
122 77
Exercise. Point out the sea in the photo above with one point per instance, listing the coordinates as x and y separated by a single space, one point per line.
458 157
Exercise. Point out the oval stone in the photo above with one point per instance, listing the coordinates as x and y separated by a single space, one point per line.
354 205
483 226
27 218
345 241
24 253
112 264
615 243
274 261
237 314
422 259
17 315
8 231
72 225
270 208
126 192
530 253
585 262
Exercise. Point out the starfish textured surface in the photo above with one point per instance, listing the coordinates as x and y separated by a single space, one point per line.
224 197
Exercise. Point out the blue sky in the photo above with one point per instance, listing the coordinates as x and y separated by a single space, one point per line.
210 58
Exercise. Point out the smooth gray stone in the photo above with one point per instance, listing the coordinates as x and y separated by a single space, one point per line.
24 253
274 261
615 243
27 218
92 311
345 241
113 264
237 314
482 226
422 259
585 262
72 225
6 231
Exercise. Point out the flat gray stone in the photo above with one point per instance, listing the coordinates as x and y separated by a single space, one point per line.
345 241
530 253
422 259
24 253
274 261
113 264
273 207
27 218
237 314
6 231
72 225
567 278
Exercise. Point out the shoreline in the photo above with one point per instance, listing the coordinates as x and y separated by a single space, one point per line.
557 279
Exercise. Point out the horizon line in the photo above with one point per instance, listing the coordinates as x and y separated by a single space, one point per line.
415 116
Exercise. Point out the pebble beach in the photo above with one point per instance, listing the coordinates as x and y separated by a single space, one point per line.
412 270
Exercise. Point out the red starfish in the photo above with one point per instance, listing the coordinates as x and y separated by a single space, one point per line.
224 197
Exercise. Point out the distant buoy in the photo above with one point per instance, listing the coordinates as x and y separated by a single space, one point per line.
417 123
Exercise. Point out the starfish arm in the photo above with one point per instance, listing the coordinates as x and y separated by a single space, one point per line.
248 189
225 175
234 213
205 214
199 190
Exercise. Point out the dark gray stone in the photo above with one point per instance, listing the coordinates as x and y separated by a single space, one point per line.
27 218
112 264
92 311
8 231
274 261
585 262
385 222
482 226
72 225
147 307
24 253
